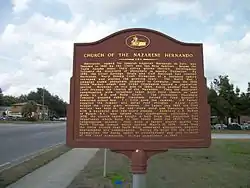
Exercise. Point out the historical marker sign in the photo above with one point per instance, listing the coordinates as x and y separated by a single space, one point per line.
138 89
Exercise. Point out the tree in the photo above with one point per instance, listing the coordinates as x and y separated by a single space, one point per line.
219 106
212 101
223 109
9 100
244 102
226 100
22 98
1 97
228 97
55 104
28 109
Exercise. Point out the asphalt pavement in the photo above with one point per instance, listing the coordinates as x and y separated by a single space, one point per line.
17 141
60 172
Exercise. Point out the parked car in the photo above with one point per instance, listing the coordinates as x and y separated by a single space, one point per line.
234 126
245 126
3 118
62 119
220 126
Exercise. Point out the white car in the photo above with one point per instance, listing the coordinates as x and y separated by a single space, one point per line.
245 126
220 126
62 119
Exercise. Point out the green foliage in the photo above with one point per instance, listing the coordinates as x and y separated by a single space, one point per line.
9 100
57 107
226 100
28 109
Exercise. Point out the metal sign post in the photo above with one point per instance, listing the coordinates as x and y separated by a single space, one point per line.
139 164
105 163
139 181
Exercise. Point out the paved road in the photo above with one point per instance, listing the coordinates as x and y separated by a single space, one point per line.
20 140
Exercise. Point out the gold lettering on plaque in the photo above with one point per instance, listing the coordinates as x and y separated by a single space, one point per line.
95 55
138 99
137 41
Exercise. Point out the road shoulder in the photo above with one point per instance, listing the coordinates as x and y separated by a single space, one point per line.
59 172
13 172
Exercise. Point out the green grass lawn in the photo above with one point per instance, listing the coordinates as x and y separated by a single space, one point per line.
226 164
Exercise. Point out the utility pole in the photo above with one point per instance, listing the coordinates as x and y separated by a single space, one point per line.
43 104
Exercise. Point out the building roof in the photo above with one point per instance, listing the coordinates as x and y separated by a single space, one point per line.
19 104
24 103
4 108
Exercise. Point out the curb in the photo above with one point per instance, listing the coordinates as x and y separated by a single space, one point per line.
12 173
28 157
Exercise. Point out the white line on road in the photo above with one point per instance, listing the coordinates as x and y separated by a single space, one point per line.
4 164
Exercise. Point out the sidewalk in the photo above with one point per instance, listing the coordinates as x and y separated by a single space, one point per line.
59 173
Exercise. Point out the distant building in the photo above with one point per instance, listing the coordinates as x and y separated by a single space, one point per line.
16 110
244 119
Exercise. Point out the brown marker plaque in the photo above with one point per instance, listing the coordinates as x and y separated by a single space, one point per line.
138 89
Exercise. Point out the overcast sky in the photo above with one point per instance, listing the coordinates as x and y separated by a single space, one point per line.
37 36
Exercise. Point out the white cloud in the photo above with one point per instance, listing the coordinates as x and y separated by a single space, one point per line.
225 25
48 59
229 58
136 9
38 52
222 28
20 5
174 8
94 31
9 35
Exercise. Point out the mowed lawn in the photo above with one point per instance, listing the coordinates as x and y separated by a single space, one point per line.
226 164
